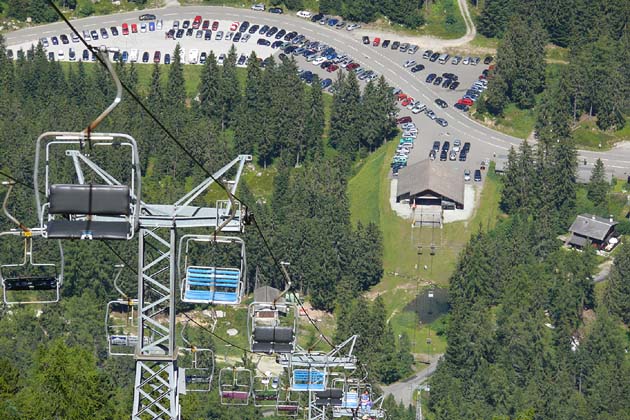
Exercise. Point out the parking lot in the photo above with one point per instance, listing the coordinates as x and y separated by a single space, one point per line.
485 143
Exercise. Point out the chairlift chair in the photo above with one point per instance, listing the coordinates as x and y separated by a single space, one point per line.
287 406
197 366
272 327
310 379
29 281
92 203
266 390
211 284
121 322
235 385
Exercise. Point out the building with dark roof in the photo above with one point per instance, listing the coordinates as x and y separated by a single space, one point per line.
431 183
595 230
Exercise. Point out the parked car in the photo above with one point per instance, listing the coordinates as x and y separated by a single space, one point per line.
477 175
147 16
441 103
259 7
395 45
488 59
145 57
167 59
466 174
304 14
276 10
156 57
403 120
431 77
385 43
376 42
353 26
366 40
427 54
264 42
409 63
443 155
215 25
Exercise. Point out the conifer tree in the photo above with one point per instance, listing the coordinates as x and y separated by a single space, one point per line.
617 295
230 92
314 123
210 88
598 187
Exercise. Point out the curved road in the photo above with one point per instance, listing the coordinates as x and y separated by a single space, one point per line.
486 142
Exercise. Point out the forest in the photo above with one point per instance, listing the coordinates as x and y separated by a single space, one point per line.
595 81
59 351
529 335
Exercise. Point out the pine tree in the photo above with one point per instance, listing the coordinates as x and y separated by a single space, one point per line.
617 294
210 88
230 92
598 187
554 114
563 185
249 129
314 124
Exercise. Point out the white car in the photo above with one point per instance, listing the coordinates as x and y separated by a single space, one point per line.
318 61
260 7
133 55
60 55
409 63
192 56
467 175
221 59
304 14
456 145
466 61
158 25
143 27
352 27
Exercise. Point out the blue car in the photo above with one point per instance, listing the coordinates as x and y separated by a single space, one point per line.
325 83
333 22
152 26
332 56
125 56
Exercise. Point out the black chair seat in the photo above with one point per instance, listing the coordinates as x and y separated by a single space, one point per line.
76 229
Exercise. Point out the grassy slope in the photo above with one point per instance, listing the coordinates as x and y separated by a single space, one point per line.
369 201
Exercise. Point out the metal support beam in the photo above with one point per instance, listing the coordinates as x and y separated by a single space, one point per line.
156 387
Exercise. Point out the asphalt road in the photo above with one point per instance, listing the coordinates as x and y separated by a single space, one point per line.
403 390
485 141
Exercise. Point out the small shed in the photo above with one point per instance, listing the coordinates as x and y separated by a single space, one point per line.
588 228
431 183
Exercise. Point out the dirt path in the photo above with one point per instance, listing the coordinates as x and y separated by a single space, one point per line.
427 41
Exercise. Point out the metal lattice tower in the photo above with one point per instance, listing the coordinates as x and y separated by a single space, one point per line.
157 385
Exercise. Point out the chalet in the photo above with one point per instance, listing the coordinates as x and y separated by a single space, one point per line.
595 230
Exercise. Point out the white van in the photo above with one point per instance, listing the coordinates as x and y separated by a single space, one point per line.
133 55
193 56
444 58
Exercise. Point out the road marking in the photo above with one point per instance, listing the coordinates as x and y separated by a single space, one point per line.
49 32
171 14
111 21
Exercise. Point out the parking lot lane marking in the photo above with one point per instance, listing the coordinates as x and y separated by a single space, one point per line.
110 21
170 14
49 32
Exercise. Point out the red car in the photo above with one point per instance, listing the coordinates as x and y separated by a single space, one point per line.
215 25
407 101
376 42
134 28
125 29
205 25
197 22
403 120
234 26
401 96
156 57
465 101
331 68
353 66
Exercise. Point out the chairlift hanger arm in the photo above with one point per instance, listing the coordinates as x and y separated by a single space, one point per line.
26 231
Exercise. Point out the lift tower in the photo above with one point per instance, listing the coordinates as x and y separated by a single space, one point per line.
157 385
